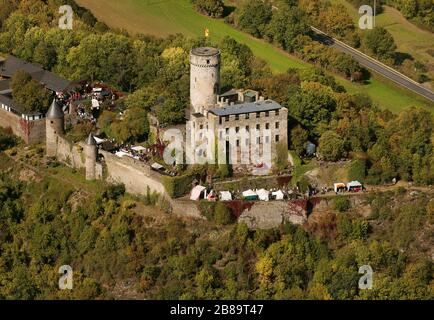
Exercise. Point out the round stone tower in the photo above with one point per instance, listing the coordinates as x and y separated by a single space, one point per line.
204 78
54 127
91 154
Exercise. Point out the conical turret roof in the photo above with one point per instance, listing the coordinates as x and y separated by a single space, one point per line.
90 141
55 111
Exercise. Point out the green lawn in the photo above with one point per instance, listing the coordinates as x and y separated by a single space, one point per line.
164 17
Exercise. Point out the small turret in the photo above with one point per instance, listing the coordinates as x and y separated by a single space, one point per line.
54 127
91 154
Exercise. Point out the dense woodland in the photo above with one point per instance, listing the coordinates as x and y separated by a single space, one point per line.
116 250
46 223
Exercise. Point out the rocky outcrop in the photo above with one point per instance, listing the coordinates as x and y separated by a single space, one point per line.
267 215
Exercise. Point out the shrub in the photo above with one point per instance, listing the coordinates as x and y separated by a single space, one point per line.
357 170
222 214
341 204
177 186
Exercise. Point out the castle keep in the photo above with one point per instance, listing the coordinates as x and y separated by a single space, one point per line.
233 113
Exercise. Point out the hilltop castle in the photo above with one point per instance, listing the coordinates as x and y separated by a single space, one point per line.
232 112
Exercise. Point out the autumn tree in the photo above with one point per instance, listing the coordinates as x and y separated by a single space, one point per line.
30 94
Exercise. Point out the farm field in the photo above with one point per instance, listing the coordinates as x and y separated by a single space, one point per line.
164 17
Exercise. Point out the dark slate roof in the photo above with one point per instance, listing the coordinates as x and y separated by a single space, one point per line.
46 78
260 106
91 140
229 93
5 85
55 111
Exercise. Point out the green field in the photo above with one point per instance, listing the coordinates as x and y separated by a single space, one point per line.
408 37
164 17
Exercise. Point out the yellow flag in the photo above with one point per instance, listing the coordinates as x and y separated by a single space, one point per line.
206 33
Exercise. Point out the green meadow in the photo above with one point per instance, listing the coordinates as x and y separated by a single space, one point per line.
164 17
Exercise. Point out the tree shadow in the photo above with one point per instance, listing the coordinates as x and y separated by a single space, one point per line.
401 56
228 10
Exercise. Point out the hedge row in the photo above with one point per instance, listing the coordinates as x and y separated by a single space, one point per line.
177 187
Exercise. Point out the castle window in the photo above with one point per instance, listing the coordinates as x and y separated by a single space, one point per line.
247 116
258 127
208 61
237 129
227 130
258 115
238 143
267 113
277 113
247 128
220 120
226 118
277 125
237 117
267 126
201 127
277 138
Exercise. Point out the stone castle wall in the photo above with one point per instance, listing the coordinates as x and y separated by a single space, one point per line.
135 175
29 131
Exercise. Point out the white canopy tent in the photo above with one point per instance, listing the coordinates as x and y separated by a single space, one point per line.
95 104
157 166
99 141
138 148
196 192
249 193
225 196
122 154
278 194
264 195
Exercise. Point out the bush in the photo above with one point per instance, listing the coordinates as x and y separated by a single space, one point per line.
357 170
212 8
222 214
341 204
207 209
177 186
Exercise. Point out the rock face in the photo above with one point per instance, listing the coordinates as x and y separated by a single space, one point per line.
267 215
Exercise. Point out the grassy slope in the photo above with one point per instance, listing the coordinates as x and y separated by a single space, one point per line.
164 17
408 37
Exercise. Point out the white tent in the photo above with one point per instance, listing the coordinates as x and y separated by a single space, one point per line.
225 196
95 104
122 154
263 195
99 141
196 192
278 194
157 166
249 193
339 187
138 148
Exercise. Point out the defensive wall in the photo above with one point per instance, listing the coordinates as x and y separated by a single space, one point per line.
31 131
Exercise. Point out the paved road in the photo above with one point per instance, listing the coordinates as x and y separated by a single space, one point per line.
375 65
